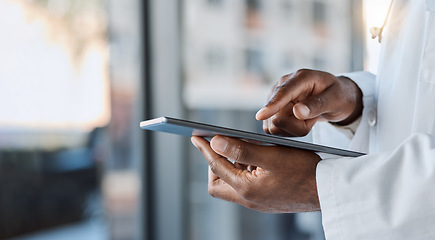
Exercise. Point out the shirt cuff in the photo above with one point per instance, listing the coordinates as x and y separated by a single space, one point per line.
348 130
328 204
364 80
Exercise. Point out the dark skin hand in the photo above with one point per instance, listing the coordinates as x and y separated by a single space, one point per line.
280 179
302 98
284 179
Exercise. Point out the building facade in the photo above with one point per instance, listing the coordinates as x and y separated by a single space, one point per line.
233 51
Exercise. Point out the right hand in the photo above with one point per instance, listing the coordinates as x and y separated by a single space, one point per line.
304 97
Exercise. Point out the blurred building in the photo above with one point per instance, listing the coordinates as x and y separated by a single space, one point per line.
233 51
240 48
54 104
77 77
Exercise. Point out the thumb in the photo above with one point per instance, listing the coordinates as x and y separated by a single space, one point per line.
312 107
301 111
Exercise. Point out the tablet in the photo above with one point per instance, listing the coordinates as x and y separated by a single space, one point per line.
189 128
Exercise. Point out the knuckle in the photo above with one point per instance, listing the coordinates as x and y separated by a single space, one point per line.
213 165
280 88
266 126
275 130
211 190
266 129
303 71
319 102
279 122
283 79
274 88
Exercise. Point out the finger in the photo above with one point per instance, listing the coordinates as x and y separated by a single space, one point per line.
284 123
218 164
301 84
276 121
274 124
270 128
252 168
285 93
218 188
317 105
266 126
283 79
290 126
211 176
241 166
241 152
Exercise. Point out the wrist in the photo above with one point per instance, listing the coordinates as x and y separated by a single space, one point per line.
356 98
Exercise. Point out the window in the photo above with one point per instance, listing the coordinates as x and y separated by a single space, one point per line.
286 6
215 59
254 5
215 3
319 12
254 61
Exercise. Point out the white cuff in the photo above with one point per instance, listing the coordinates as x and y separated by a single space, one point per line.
348 130
328 204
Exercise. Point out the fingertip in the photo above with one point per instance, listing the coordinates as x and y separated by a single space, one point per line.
263 114
259 114
195 141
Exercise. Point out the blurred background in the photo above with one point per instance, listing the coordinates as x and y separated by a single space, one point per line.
77 77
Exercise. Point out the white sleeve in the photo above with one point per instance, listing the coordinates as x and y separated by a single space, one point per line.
380 196
366 81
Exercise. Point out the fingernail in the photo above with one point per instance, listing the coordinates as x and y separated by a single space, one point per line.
219 144
303 110
257 116
193 140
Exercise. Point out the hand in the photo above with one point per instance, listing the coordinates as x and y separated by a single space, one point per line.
301 99
265 178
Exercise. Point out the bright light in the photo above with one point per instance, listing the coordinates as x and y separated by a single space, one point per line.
375 13
41 86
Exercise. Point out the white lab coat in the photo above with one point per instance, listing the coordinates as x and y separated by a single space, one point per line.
389 193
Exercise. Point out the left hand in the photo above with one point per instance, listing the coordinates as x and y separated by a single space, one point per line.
265 178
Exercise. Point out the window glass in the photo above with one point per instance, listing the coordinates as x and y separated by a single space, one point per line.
69 110
259 42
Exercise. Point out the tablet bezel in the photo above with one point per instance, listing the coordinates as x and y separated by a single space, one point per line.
190 128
